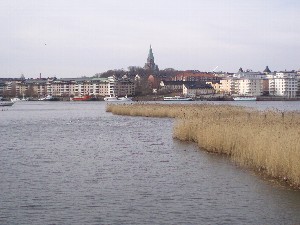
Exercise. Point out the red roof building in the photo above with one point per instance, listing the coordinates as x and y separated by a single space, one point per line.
195 76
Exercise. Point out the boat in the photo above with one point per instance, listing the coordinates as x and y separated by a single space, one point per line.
82 98
124 99
111 98
16 99
244 98
115 99
47 98
6 103
178 98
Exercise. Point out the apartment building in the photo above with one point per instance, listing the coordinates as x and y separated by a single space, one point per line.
197 89
120 87
68 87
249 87
284 84
229 86
243 83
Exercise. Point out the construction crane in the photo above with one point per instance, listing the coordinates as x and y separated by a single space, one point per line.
215 69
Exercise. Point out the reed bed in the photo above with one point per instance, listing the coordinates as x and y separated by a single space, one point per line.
268 141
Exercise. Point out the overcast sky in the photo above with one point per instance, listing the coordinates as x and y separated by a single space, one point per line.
72 38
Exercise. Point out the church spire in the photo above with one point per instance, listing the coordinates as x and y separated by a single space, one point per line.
150 61
150 55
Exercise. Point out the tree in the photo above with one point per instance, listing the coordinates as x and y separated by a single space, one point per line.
169 72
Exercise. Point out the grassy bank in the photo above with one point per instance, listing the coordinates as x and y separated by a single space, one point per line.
267 141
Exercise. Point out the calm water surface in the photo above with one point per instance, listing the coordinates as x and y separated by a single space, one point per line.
73 163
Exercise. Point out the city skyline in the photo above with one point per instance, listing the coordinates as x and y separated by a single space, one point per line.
72 38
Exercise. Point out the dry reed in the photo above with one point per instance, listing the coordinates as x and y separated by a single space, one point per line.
267 141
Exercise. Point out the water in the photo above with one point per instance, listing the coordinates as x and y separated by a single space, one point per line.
73 163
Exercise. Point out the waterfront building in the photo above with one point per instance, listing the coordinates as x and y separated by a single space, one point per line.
228 85
244 83
285 84
120 87
172 86
125 87
59 87
9 88
19 87
2 86
241 86
197 89
78 87
249 74
67 87
249 87
187 88
216 85
34 87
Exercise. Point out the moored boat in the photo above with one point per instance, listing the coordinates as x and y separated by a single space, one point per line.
82 98
6 103
178 98
244 98
47 98
115 99
16 99
111 98
124 99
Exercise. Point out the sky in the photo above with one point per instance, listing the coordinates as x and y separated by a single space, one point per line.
74 38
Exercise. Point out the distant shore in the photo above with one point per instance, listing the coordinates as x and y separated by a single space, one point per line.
217 98
160 98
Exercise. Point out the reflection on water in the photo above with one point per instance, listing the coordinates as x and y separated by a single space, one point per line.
73 163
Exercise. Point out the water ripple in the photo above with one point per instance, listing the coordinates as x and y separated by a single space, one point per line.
73 163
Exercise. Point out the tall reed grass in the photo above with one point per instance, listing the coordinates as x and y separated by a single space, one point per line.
268 141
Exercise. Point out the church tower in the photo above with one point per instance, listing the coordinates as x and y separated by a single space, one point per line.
150 65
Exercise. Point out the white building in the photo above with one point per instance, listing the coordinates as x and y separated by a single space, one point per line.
250 87
249 74
284 84
242 86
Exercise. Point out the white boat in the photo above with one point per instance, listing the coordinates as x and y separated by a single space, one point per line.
6 103
16 99
47 98
178 98
124 99
116 99
244 98
111 98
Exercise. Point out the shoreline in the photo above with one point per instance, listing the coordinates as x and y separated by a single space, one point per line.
161 98
265 141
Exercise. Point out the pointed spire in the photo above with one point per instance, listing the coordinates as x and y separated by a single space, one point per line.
150 54
150 62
